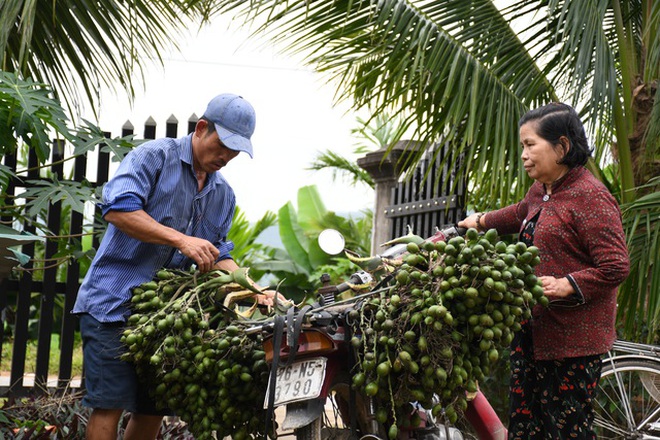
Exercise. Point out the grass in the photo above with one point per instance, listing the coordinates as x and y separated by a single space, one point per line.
54 356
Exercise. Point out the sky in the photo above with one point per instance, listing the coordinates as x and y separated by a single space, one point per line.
295 106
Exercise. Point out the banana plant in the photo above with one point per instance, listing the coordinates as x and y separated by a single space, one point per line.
296 269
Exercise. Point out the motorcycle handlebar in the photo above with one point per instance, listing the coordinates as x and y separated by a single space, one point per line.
362 277
359 277
310 317
452 231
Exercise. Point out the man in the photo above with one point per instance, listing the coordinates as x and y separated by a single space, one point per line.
167 206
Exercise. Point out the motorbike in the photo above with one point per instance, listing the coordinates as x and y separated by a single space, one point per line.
311 358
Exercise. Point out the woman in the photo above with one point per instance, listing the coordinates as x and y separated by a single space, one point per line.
576 223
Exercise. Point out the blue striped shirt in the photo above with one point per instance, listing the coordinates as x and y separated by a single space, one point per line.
157 177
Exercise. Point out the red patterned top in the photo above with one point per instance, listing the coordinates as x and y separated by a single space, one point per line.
580 236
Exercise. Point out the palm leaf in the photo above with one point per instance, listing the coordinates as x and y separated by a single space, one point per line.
341 165
451 70
639 296
585 64
379 131
78 42
650 34
244 235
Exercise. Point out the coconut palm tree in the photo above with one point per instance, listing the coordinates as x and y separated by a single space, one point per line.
466 70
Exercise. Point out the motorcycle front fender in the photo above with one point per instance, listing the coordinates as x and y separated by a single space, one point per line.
299 414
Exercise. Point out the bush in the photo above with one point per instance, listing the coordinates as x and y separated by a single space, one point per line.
63 417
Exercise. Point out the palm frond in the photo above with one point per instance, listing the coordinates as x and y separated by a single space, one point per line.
650 37
585 66
450 70
652 78
76 43
341 165
378 131
640 293
244 235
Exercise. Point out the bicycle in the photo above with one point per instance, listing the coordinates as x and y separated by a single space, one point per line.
628 399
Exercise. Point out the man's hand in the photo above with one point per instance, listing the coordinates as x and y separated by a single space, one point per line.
138 224
558 287
201 251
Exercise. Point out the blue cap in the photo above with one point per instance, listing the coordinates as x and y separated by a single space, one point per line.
234 119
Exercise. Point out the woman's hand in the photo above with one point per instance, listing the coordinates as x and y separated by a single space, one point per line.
471 221
558 287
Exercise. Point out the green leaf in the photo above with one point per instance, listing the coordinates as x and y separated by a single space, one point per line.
90 136
639 295
288 266
339 164
79 45
6 174
293 238
316 255
28 112
244 236
72 195
310 206
22 258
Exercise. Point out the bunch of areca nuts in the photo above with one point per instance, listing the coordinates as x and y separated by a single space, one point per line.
436 332
191 349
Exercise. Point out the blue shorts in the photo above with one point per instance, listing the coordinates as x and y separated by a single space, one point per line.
111 383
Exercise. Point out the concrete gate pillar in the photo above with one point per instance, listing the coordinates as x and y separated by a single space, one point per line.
386 172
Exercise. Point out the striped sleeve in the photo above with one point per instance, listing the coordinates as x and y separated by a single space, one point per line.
133 182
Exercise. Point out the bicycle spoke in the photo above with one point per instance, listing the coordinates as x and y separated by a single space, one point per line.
613 411
653 418
624 397
610 427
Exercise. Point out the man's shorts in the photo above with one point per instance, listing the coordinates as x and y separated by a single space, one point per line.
111 383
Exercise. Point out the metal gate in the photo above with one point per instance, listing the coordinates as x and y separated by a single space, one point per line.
431 197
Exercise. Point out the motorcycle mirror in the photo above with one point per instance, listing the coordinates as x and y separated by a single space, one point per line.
331 241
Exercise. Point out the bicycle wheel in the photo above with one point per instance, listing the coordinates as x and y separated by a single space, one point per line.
335 423
627 403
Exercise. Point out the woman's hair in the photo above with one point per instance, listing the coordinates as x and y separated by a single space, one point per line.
555 120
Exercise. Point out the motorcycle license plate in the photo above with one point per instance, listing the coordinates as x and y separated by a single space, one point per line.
301 380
